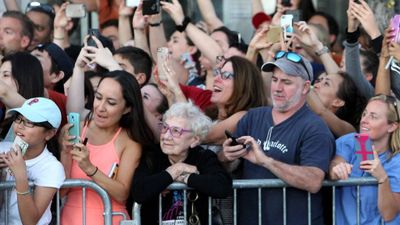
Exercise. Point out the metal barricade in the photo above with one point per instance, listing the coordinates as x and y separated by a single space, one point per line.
259 184
70 183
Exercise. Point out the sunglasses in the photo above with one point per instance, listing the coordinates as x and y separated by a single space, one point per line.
46 8
224 75
293 57
392 100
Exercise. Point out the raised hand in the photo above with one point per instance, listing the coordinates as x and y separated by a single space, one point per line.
366 17
175 10
352 21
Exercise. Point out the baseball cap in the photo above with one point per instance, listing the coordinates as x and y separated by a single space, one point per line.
40 110
292 64
260 18
64 63
41 7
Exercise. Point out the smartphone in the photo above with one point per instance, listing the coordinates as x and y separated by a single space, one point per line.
132 3
151 7
233 138
363 148
162 56
75 11
395 24
286 24
297 14
73 118
21 144
286 3
113 171
274 34
357 1
95 33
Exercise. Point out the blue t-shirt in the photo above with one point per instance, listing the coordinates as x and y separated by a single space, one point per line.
346 197
303 139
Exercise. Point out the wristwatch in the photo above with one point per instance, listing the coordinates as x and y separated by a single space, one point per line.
322 51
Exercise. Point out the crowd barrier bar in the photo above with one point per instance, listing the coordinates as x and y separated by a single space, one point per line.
270 183
70 183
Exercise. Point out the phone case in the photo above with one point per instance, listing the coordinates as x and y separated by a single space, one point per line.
75 11
162 56
75 129
21 143
363 148
151 7
395 24
90 41
274 34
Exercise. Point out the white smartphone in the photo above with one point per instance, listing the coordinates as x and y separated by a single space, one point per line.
75 10
162 56
286 23
21 144
132 3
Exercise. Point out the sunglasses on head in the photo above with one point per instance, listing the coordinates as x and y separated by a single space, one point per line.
46 8
392 100
293 57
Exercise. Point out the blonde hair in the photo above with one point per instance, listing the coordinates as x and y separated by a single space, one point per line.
393 117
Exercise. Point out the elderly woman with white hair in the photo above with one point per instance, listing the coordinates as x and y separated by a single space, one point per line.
183 128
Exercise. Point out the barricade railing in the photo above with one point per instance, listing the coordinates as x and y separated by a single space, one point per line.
268 183
70 183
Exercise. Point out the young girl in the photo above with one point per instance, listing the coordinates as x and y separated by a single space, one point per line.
35 123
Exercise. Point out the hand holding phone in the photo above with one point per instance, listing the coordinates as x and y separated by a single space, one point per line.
233 138
73 118
90 40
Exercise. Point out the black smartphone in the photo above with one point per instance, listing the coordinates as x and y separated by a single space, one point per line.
286 3
233 138
93 32
151 7
357 1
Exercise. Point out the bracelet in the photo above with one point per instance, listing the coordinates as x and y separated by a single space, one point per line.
182 27
155 24
95 171
58 38
23 193
383 180
322 51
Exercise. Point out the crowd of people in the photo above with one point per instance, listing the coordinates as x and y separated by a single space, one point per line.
301 108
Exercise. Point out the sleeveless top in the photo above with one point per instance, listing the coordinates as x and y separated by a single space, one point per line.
102 156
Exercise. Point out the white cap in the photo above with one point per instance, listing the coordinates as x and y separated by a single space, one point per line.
39 110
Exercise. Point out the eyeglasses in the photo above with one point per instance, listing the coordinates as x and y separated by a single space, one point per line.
294 57
46 8
224 75
26 123
174 131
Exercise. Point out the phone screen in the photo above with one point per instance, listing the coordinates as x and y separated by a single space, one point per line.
21 144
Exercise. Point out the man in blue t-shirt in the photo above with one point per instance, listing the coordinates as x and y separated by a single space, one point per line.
286 141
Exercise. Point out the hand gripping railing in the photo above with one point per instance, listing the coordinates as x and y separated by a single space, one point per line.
69 184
